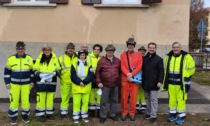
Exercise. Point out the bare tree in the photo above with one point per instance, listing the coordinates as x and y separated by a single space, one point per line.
197 12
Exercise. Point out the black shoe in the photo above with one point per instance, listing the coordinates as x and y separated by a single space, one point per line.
132 118
123 117
13 121
98 113
102 120
42 119
50 117
114 118
141 111
63 116
25 119
91 113
147 116
153 120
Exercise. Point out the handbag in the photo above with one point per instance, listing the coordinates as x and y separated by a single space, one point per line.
138 77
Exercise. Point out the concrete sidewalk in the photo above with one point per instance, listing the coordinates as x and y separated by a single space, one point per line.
198 101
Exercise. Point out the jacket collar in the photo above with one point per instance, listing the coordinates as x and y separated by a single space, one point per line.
171 53
24 55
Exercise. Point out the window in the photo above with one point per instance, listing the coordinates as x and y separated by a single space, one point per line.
31 1
121 1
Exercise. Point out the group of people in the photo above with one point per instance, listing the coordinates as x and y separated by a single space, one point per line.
94 80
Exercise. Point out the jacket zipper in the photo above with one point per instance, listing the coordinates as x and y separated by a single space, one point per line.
20 68
174 68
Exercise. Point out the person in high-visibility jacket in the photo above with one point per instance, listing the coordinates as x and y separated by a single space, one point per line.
140 101
81 76
66 61
19 78
179 67
46 70
95 99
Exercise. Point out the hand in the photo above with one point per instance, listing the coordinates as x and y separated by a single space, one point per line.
187 87
159 85
100 85
54 73
8 86
82 84
31 85
130 79
129 75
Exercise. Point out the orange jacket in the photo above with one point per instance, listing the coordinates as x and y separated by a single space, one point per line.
135 60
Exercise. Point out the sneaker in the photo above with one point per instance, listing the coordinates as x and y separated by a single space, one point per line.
76 121
102 120
180 121
147 116
25 119
114 118
50 117
153 120
42 118
13 121
86 120
123 117
132 117
172 118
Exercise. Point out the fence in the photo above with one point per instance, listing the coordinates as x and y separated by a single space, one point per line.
202 60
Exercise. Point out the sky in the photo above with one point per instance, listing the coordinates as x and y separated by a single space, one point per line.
206 3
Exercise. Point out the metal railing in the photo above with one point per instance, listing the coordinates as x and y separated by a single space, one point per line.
202 60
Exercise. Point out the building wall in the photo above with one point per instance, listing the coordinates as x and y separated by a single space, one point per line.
162 23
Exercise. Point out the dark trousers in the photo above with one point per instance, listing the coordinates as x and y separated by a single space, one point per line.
108 95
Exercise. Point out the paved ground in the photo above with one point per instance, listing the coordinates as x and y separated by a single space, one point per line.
198 101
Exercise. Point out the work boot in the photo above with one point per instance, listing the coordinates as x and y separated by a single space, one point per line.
42 118
98 113
153 120
25 119
172 118
180 121
63 116
91 113
50 117
132 117
13 121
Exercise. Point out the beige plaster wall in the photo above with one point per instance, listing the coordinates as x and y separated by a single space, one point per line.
162 23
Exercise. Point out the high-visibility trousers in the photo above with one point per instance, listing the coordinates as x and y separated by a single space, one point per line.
177 100
95 99
45 103
140 101
129 88
78 100
65 90
18 92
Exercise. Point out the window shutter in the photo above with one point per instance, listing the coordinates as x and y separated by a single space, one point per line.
5 1
91 1
59 1
151 1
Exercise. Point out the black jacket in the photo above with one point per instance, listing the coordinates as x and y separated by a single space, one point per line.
153 72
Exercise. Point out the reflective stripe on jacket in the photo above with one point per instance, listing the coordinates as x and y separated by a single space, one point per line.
18 70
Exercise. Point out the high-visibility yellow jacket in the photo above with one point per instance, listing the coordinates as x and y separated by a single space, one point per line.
178 70
65 63
18 70
76 79
39 68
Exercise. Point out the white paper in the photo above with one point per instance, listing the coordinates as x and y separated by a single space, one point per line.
99 92
47 77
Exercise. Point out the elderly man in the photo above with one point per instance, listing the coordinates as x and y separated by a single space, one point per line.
65 61
131 64
107 78
179 68
19 78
